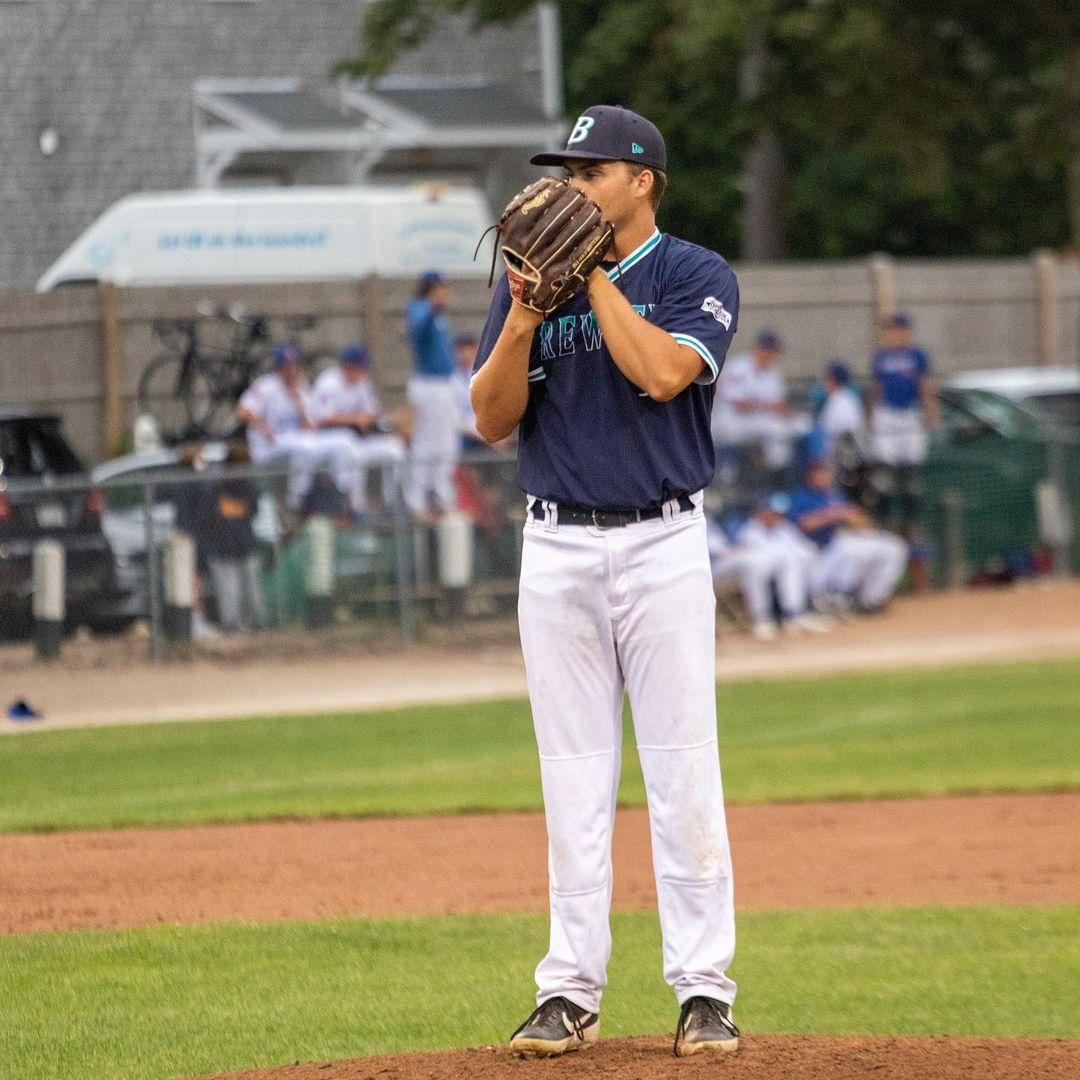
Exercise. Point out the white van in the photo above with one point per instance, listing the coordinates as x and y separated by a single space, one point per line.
235 235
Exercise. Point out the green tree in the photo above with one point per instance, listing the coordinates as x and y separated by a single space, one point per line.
825 128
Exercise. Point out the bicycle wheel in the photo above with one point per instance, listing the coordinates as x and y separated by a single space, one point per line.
163 392
210 409
216 394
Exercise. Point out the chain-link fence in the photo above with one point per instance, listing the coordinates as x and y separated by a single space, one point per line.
197 552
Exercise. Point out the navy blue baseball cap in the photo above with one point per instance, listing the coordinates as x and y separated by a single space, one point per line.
901 320
839 372
429 279
769 339
610 133
355 356
286 353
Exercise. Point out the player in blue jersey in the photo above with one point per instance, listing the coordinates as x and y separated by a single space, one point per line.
436 445
905 405
612 395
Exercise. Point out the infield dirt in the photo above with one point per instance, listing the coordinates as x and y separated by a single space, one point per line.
110 682
762 1057
988 849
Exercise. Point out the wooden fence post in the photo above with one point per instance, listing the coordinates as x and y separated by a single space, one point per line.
1047 307
112 356
374 321
882 270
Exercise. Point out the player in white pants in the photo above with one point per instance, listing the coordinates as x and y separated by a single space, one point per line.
905 406
608 609
856 561
344 401
769 553
611 394
276 409
436 444
751 408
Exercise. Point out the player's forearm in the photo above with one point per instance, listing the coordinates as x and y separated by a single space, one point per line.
249 419
500 389
648 356
822 519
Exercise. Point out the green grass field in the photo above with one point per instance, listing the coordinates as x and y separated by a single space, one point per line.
991 728
172 1001
190 1000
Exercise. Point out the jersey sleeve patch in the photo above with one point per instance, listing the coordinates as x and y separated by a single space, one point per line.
699 307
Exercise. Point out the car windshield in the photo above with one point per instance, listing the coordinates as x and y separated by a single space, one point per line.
1063 407
31 448
126 491
1004 416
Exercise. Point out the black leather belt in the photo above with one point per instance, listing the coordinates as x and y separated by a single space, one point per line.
569 514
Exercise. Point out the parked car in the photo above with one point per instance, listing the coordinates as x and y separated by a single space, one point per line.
1050 392
46 493
124 482
986 466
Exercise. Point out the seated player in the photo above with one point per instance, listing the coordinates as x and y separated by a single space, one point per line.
769 554
344 402
857 563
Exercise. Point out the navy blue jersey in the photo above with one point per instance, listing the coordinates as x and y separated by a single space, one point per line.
808 500
589 436
898 372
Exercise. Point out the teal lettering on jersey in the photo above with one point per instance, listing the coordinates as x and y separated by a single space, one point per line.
576 332
567 325
591 336
547 332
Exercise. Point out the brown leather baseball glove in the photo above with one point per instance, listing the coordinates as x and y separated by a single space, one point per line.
551 237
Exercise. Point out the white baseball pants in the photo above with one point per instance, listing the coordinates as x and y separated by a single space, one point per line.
865 563
383 452
897 436
300 450
758 567
600 611
436 444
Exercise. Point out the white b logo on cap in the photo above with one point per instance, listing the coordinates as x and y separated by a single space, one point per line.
581 130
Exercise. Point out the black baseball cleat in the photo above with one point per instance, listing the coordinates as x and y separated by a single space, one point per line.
705 1024
556 1027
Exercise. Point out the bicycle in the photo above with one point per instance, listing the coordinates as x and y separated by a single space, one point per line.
192 390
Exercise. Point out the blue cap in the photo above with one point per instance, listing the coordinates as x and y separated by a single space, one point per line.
610 133
355 355
901 320
769 339
429 279
286 353
21 709
839 372
777 502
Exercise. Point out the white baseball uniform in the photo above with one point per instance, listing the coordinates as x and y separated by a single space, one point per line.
745 380
304 450
842 414
334 394
762 558
865 564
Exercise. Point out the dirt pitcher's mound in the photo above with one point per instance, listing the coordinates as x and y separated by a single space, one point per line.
763 1057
